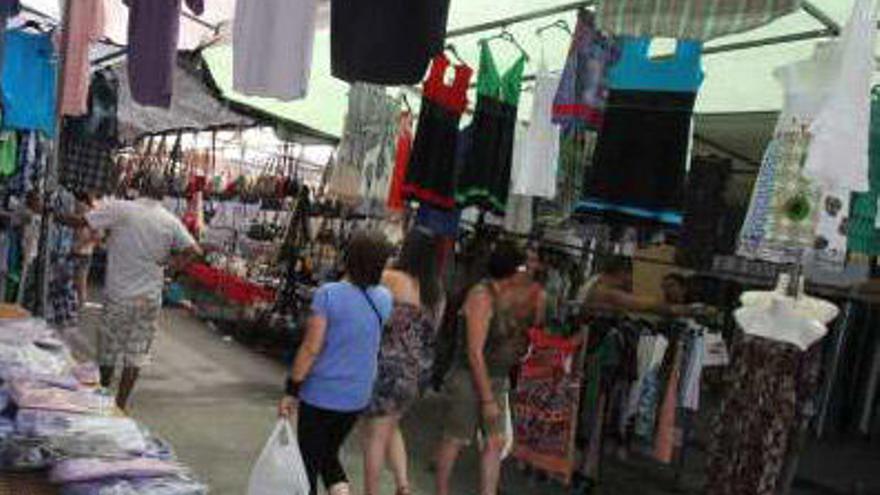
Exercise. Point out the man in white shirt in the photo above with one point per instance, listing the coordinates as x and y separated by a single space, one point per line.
143 237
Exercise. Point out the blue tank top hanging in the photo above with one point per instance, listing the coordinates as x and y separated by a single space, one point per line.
641 157
637 71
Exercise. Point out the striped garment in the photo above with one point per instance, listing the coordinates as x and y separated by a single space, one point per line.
689 19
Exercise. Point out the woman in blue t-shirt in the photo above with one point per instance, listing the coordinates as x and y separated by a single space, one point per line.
333 374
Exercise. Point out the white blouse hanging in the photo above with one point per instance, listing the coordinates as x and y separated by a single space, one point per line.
535 174
838 152
272 47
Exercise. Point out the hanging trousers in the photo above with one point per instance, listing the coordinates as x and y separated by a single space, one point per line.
321 434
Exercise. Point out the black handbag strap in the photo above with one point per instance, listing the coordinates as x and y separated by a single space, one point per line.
373 305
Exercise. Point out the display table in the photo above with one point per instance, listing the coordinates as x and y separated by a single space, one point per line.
26 484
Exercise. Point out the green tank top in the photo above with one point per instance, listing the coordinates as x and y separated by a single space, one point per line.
506 341
505 87
863 235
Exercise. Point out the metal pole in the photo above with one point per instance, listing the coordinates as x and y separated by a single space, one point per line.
820 15
196 19
773 40
500 23
51 174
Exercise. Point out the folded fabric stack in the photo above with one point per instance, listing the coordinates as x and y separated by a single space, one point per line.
52 415
124 477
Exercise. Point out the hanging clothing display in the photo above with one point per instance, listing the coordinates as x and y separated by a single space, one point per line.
401 162
100 123
430 177
535 173
518 217
153 31
32 161
363 152
387 42
88 143
8 9
838 151
785 206
29 82
8 153
704 207
647 130
864 232
689 19
583 90
750 435
272 47
576 147
485 179
86 26
62 310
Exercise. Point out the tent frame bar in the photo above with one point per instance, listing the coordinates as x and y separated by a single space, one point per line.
832 28
198 20
810 8
508 21
773 40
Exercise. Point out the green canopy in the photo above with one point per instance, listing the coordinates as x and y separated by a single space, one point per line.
739 95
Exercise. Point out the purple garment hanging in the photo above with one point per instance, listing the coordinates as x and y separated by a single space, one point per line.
10 7
153 31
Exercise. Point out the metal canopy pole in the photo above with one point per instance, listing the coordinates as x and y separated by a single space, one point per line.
820 15
500 23
773 40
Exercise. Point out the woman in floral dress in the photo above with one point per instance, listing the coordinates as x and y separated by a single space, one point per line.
405 359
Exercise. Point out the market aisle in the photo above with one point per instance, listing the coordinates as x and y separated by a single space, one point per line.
214 400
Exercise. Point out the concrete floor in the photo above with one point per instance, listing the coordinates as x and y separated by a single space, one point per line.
215 400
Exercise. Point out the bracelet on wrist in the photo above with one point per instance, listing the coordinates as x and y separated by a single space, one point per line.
292 388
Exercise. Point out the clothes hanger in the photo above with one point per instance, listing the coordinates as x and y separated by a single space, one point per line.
508 37
36 26
559 24
454 52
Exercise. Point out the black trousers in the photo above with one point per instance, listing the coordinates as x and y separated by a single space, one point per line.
321 435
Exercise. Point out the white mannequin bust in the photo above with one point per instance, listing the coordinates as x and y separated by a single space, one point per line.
811 307
781 320
799 320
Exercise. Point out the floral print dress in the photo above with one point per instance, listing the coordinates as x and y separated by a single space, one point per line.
760 410
406 360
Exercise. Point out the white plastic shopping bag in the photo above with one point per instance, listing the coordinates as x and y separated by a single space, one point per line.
508 429
280 468
507 449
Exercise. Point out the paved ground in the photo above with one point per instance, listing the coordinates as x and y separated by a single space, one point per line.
215 401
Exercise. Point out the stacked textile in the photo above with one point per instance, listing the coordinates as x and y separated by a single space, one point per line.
53 416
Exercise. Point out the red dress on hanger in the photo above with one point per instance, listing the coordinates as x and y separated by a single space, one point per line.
430 177
404 149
